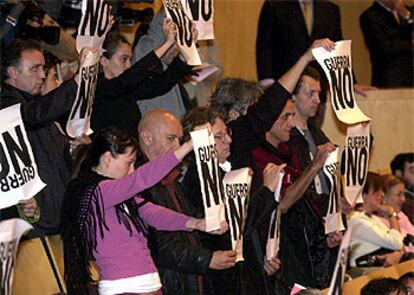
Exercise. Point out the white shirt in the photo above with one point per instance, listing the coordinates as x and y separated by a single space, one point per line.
369 234
140 284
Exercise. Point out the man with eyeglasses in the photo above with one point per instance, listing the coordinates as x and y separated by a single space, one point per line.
181 260
23 75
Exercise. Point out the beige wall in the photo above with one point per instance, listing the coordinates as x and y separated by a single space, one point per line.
236 30
392 124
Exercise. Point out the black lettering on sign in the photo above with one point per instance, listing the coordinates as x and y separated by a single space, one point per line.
332 168
17 180
342 89
237 190
95 17
182 21
4 164
87 89
236 216
206 14
7 250
357 165
194 8
206 9
211 179
16 150
337 62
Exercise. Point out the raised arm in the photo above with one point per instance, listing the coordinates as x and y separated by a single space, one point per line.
116 191
291 77
49 107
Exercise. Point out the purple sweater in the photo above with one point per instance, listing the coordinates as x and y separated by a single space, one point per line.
119 254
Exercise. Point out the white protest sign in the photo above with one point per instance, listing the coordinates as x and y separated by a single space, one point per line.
335 287
333 218
203 71
337 66
201 12
19 176
94 24
210 181
80 116
273 237
175 11
356 160
236 185
10 233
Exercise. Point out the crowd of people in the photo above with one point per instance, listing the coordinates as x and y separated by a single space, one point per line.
128 196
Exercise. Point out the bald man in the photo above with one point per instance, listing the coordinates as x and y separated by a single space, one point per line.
180 259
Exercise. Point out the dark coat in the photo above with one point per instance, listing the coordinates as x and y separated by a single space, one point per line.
179 256
304 252
282 36
115 103
49 145
390 47
247 277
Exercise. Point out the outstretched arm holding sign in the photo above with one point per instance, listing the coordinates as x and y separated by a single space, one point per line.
291 77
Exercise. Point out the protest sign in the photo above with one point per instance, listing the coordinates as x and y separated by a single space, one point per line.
10 232
202 72
333 218
273 237
94 24
337 65
357 146
237 190
335 287
210 181
201 12
80 115
19 176
175 11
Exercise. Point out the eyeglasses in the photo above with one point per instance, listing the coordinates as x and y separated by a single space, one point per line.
222 135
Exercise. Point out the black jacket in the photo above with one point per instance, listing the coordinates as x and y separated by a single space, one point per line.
305 255
50 147
282 36
115 103
390 47
179 257
246 277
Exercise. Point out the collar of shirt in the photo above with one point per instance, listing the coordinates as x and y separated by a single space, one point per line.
384 6
304 2
26 95
226 166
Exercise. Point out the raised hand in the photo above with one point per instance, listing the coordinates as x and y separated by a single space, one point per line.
271 175
326 43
